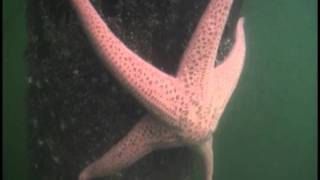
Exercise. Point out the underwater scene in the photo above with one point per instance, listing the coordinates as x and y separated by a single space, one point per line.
159 90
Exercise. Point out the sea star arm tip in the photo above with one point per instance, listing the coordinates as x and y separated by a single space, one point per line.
225 77
234 61
227 74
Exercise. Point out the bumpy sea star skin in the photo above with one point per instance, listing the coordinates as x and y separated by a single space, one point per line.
184 109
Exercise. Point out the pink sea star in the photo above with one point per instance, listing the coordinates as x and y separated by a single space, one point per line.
184 109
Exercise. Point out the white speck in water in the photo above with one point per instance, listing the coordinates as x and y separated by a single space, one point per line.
56 159
62 126
35 123
38 84
40 142
73 120
118 174
50 143
76 72
29 80
131 36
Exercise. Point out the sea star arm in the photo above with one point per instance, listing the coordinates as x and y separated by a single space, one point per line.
198 58
151 86
147 135
205 150
226 76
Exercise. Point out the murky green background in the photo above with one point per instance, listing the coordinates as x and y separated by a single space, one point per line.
14 90
268 130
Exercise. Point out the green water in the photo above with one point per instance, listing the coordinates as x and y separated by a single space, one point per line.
14 90
268 130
